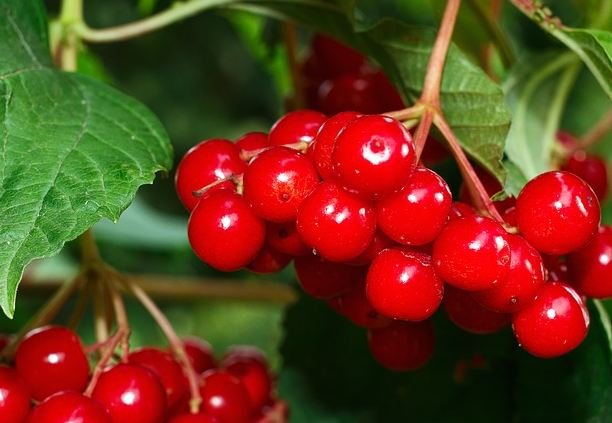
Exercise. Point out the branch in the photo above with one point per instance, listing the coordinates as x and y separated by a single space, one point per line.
600 130
290 38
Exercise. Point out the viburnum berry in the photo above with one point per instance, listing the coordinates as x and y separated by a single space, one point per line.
403 284
224 232
433 152
244 352
467 313
416 214
50 359
224 397
472 253
337 224
519 287
374 155
131 394
296 126
336 58
277 181
200 354
68 407
379 243
324 279
592 169
402 346
285 238
14 397
461 209
591 266
207 162
269 260
354 305
555 323
252 141
254 375
557 212
556 267
349 92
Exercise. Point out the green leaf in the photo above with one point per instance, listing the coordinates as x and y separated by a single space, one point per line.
72 150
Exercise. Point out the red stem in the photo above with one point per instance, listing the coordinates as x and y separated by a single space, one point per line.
111 345
420 137
247 155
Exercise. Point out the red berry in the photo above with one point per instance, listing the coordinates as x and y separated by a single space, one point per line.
268 261
194 418
433 153
285 238
468 314
297 126
389 97
349 92
524 278
168 371
51 359
131 394
4 340
244 352
460 209
472 253
336 223
336 58
68 407
416 214
556 268
557 212
200 354
254 375
252 141
277 181
354 305
205 163
323 279
14 397
403 285
379 243
509 216
224 397
224 232
567 140
374 155
402 346
555 323
592 169
591 266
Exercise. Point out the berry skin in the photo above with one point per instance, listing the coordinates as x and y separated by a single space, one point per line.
269 261
168 371
277 181
68 407
416 214
336 223
194 418
131 394
296 126
224 232
519 287
50 359
557 212
468 314
200 354
354 305
374 155
555 323
349 92
252 141
402 346
323 279
254 375
403 285
224 397
285 238
592 169
591 266
14 397
460 209
472 253
205 163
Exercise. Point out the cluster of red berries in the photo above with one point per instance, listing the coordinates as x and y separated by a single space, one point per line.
51 369
379 237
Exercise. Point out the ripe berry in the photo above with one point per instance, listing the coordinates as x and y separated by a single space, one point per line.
556 268
492 186
14 397
323 279
252 141
68 407
433 153
472 253
336 223
285 238
557 212
244 352
460 209
131 394
297 126
555 323
277 181
224 397
591 266
389 97
354 305
335 58
51 359
402 346
468 314
194 418
224 232
254 375
349 92
402 284
416 214
524 278
592 169
269 260
379 243
205 163
200 354
374 155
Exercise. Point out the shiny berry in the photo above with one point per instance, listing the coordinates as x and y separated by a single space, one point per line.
402 346
244 352
14 397
252 141
389 97
205 163
324 279
467 313
354 305
416 214
336 223
591 266
277 181
200 354
556 267
402 284
194 418
554 324
225 397
461 209
297 126
51 359
68 407
285 238
349 92
557 212
374 155
336 58
592 169
131 394
269 260
472 253
379 243
224 232
254 375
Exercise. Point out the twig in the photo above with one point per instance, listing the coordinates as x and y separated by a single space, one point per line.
420 137
290 38
111 346
600 130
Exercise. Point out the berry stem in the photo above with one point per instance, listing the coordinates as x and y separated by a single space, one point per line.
420 137
235 179
108 351
597 133
414 112
247 155
290 39
121 318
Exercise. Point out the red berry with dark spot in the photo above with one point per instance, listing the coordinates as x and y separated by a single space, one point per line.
200 354
591 266
297 126
285 238
225 397
467 313
254 375
269 261
252 141
402 346
14 397
323 279
354 305
68 407
592 169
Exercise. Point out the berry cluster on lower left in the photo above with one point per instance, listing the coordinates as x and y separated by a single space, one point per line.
51 382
